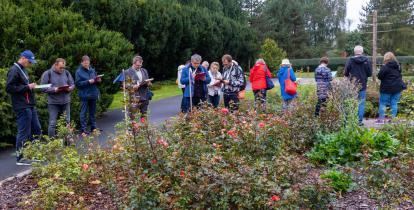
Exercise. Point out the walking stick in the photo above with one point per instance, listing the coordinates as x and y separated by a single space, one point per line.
125 102
189 79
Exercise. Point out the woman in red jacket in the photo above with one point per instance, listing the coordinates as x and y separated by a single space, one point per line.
258 80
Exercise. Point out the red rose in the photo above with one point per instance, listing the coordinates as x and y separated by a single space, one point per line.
154 161
275 198
85 167
182 174
142 119
232 133
224 111
261 125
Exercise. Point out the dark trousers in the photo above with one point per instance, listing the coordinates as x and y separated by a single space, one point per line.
321 103
196 101
214 100
88 105
28 126
54 111
260 99
143 108
182 101
231 101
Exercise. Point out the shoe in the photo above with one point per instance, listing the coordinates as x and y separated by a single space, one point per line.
24 162
380 122
360 124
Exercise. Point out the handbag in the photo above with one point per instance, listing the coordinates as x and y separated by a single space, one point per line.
241 94
269 83
290 86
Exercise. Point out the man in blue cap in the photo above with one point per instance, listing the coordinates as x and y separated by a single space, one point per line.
23 100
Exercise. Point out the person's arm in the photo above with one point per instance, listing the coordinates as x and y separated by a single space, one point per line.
208 78
381 73
329 72
45 80
71 83
80 81
292 74
347 68
238 82
185 76
368 69
13 85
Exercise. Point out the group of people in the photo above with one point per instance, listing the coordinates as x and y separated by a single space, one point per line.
230 82
58 84
199 83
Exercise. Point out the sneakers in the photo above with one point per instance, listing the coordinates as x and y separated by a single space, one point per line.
361 124
24 162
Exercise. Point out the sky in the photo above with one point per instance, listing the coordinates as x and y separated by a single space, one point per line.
354 7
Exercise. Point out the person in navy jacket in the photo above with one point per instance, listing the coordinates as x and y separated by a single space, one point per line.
22 93
86 80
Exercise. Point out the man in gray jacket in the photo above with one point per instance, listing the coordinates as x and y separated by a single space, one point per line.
137 82
58 99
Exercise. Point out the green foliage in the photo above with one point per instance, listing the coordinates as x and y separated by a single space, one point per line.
52 31
338 180
272 54
166 33
348 145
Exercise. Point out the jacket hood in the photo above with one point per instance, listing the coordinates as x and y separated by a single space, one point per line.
359 59
393 64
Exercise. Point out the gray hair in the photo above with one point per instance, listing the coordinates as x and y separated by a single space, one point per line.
137 58
205 62
358 50
196 57
260 60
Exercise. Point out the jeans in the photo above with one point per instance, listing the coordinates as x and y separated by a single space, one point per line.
28 126
389 99
214 100
88 105
231 101
54 111
361 106
321 103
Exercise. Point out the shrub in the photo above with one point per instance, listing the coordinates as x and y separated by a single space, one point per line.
339 181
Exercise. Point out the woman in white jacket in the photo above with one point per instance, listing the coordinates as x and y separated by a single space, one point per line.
214 88
181 86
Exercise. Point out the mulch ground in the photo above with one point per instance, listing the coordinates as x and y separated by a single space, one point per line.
14 195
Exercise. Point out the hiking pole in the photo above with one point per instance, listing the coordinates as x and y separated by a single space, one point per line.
189 79
125 102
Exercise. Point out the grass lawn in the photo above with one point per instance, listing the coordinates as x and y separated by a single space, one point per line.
305 74
165 90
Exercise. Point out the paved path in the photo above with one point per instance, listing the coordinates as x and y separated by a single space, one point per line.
165 109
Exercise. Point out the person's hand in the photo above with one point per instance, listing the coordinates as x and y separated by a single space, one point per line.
32 86
70 88
56 89
135 87
91 81
149 83
98 79
226 82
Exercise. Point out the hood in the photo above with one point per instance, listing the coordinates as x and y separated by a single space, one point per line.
359 59
393 64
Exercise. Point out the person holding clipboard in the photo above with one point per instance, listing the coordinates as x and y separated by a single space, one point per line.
58 99
139 83
21 90
195 78
86 80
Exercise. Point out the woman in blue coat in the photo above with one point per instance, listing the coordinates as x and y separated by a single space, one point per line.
282 75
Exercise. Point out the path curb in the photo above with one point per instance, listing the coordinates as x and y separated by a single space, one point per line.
19 175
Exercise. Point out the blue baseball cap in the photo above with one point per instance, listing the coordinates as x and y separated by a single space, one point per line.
29 55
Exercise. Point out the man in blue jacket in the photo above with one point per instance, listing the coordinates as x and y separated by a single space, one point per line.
358 69
86 81
195 78
23 101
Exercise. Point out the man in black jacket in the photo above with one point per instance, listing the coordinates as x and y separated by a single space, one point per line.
23 100
358 69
